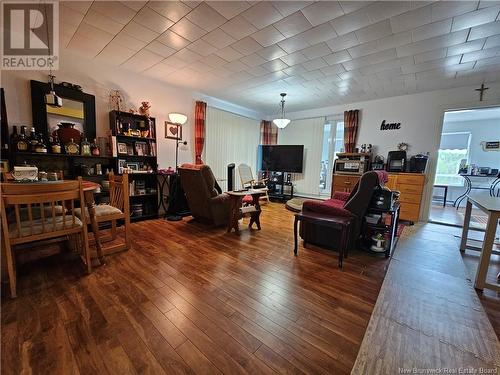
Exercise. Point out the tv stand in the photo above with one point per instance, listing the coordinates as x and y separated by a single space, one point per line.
278 187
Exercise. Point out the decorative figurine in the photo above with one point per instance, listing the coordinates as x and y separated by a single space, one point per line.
144 109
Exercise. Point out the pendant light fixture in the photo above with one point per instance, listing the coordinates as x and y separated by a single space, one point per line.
282 122
51 98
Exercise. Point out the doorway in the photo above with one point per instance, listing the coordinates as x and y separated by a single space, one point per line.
466 164
333 143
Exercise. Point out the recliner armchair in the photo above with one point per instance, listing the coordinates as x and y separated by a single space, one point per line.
354 204
204 196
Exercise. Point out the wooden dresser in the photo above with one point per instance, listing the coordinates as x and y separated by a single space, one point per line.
411 186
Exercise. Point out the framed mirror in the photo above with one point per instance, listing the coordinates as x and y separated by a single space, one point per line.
77 108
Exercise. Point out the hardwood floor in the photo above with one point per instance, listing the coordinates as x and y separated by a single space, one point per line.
194 300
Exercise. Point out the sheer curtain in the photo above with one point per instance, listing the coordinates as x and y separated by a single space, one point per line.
308 132
230 138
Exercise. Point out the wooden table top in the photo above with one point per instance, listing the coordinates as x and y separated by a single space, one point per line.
87 185
485 202
242 193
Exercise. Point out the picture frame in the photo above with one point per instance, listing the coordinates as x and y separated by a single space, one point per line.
122 163
121 148
173 131
133 166
130 150
140 148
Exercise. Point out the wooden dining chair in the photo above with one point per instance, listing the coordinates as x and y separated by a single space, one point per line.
41 199
118 208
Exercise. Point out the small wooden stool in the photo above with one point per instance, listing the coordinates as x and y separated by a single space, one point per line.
342 223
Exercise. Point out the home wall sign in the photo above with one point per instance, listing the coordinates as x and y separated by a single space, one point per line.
491 146
390 126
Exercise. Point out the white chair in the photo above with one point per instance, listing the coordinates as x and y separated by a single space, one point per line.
248 181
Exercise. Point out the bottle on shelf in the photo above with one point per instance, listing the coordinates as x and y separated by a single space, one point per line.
85 148
13 138
94 148
55 146
72 148
40 146
32 139
22 141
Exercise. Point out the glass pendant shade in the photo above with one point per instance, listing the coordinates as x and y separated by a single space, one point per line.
281 122
177 118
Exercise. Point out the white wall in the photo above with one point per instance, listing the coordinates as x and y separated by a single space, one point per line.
98 79
421 117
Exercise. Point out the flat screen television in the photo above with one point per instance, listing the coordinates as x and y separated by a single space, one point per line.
282 158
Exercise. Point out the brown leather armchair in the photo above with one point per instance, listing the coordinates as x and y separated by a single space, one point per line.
355 206
203 194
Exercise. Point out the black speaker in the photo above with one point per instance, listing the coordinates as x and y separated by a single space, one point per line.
230 177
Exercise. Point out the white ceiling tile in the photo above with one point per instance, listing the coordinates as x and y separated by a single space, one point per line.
394 40
451 39
200 66
134 4
173 10
102 22
373 32
272 52
380 10
319 34
219 38
172 40
115 53
142 60
228 54
430 65
238 27
479 55
315 64
364 49
352 6
319 50
274 65
431 55
206 17
85 46
484 31
459 49
343 42
188 55
70 15
214 61
411 19
431 30
288 7
114 10
229 9
257 71
140 32
267 36
294 58
188 30
253 60
78 6
293 24
293 44
322 11
351 22
160 48
159 71
337 57
93 33
191 4
236 66
488 3
492 41
490 61
202 48
447 9
246 46
385 65
309 76
262 14
370 59
128 41
152 20
175 62
476 18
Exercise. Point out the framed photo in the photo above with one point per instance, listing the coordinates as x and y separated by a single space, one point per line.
130 150
122 148
133 166
121 164
173 131
140 148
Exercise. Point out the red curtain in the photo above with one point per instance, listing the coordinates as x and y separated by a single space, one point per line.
268 133
200 112
351 119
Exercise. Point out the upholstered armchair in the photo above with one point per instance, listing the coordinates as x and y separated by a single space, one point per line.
354 204
204 196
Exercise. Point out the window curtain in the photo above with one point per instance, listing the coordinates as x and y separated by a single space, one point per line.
230 138
199 130
351 119
308 132
268 133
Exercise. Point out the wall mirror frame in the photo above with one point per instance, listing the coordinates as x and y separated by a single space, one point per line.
39 108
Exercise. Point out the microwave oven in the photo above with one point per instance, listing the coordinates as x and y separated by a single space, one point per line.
350 166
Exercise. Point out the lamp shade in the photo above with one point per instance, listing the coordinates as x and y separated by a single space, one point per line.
177 118
281 122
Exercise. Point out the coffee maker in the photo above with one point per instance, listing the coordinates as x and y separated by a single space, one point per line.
396 161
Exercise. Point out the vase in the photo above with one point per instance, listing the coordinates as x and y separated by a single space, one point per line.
67 132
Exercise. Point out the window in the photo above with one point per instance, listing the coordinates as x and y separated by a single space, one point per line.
333 143
453 149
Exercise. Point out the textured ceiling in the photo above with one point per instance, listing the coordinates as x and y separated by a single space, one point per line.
320 53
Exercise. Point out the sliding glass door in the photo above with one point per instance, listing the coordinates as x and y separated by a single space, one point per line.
333 143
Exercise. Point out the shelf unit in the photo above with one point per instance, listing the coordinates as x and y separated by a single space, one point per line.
144 155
